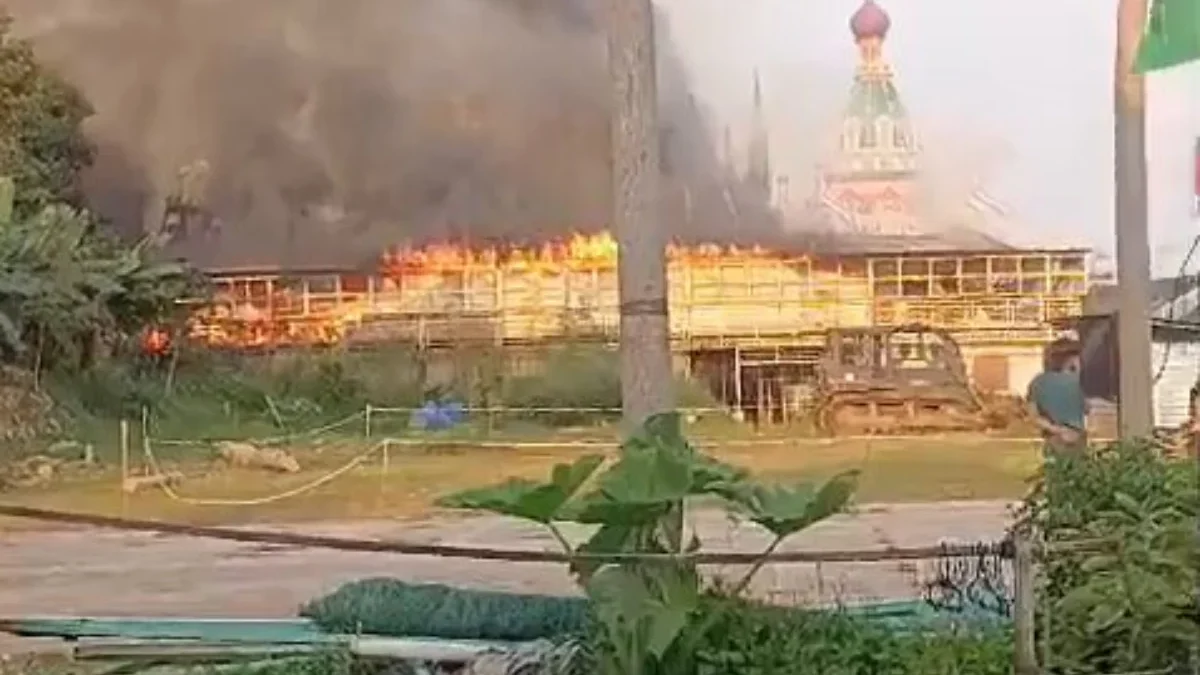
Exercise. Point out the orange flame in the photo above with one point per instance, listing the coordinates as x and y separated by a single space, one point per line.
578 252
261 318
156 342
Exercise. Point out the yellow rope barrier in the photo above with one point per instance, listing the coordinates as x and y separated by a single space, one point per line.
379 448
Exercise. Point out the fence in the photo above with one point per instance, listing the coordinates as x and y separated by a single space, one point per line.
1012 561
1003 571
374 427
381 454
719 296
374 420
797 577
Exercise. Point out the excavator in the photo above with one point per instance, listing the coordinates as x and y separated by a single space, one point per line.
901 380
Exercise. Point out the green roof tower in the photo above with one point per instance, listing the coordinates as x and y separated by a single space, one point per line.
870 178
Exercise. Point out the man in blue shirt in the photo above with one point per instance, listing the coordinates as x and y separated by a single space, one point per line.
1056 399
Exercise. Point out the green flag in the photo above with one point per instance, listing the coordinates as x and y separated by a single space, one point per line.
1172 36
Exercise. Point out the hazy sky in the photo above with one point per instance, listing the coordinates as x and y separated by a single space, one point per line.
1015 92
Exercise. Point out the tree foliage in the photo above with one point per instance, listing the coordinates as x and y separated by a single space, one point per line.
42 144
66 287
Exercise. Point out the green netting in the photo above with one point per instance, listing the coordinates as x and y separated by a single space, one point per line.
394 608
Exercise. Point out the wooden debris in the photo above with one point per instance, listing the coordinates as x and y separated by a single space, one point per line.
135 484
247 456
30 472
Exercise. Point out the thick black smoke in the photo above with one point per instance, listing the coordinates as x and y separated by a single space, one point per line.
332 128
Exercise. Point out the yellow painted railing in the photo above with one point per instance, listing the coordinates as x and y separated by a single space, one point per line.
355 317
751 299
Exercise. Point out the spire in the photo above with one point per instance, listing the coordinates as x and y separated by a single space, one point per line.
877 135
758 169
870 22
870 26
869 182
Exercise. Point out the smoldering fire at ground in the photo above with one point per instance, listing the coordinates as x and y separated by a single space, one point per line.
332 130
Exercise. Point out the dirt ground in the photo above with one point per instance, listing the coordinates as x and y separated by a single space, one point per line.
406 485
88 572
937 490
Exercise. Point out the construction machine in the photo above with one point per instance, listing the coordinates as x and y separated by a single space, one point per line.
909 379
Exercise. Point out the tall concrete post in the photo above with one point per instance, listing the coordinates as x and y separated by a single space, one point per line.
646 378
1133 239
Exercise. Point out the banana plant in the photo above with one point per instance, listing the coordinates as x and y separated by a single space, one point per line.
63 282
638 567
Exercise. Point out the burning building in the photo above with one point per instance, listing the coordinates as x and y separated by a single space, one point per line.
733 311
752 320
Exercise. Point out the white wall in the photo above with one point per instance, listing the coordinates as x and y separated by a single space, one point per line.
1022 368
1182 365
1024 363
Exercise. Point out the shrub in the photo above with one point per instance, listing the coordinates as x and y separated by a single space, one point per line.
757 640
1130 606
208 396
644 589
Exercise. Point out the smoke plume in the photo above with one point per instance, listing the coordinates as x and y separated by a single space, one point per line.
333 128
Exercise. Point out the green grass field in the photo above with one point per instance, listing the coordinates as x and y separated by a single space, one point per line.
414 476
285 397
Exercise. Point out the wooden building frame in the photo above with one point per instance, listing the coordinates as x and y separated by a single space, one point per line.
724 299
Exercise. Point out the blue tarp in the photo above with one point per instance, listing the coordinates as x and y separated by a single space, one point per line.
439 415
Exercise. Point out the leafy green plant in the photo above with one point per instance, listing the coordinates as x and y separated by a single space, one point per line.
42 146
750 639
65 289
325 663
1129 605
637 568
68 290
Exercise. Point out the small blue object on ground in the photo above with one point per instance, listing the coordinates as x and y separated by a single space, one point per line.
438 416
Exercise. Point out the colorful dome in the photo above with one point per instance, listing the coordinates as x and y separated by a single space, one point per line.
870 21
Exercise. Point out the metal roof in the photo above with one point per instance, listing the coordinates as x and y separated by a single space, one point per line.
1103 300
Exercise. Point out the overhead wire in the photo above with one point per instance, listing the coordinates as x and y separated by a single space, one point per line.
1179 288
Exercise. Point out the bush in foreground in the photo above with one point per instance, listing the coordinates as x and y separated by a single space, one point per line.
1130 606
646 595
776 641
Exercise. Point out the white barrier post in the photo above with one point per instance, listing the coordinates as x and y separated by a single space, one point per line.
367 421
1025 661
145 440
385 466
124 441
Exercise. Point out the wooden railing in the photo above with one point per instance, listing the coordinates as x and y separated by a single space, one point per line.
332 318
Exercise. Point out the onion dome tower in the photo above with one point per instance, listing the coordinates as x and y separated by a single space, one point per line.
870 177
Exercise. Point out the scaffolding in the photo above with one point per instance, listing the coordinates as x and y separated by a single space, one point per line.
727 300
